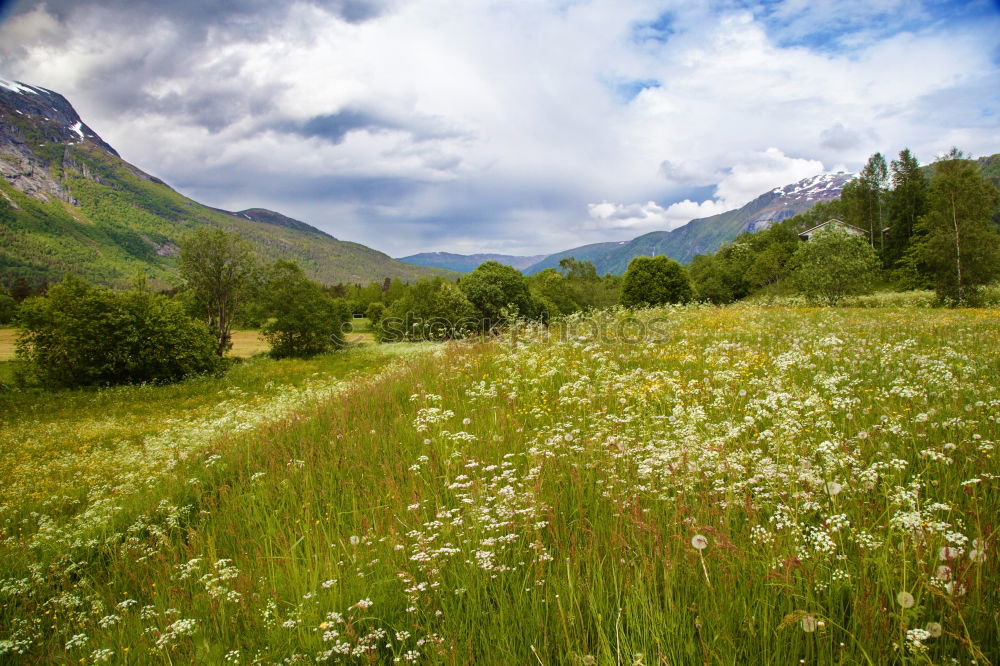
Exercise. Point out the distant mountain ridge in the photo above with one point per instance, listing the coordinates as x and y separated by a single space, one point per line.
706 235
466 263
70 204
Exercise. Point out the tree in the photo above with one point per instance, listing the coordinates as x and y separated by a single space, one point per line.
304 320
429 310
552 289
833 264
906 204
8 306
80 335
651 281
495 289
374 312
956 245
864 197
221 269
21 290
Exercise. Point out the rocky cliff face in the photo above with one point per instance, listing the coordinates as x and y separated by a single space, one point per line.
50 117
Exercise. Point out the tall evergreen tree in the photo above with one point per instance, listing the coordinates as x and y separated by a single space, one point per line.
907 202
863 199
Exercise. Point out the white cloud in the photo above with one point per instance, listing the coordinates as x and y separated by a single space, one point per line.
500 123
752 175
650 215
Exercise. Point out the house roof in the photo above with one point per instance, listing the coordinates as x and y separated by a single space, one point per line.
838 222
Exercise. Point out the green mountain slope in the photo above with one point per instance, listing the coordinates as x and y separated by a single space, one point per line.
466 263
69 204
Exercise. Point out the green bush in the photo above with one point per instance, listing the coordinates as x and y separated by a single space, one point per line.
651 281
304 319
430 310
8 306
495 290
832 265
374 312
81 335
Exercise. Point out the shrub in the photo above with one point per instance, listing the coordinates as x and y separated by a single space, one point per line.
431 310
495 289
374 312
304 319
655 281
8 306
834 264
80 335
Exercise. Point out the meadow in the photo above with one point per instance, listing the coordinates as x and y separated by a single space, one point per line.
691 485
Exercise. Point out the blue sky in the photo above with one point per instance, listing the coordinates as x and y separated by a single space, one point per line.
522 127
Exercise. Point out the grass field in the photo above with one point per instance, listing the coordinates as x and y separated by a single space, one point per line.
699 485
7 339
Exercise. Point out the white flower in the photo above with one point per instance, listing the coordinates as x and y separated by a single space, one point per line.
905 599
948 553
699 542
934 629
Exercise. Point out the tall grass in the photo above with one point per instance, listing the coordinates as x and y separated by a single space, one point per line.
694 485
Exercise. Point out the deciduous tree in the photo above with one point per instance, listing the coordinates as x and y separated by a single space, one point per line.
651 281
220 268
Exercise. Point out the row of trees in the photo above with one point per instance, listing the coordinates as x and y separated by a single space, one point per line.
927 227
77 334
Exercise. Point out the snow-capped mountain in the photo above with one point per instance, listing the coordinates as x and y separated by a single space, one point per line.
792 199
708 234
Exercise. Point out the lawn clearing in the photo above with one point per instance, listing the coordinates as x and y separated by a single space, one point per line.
8 338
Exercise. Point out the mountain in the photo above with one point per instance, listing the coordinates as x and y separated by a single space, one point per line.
466 263
70 204
707 234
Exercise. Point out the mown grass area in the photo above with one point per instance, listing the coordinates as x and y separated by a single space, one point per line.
696 485
8 338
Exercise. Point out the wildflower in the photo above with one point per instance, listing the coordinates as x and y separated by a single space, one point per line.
934 629
699 542
905 599
948 553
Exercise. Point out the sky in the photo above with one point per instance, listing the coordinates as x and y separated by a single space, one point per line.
510 126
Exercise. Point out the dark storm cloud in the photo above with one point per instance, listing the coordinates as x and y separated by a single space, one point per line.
219 95
247 16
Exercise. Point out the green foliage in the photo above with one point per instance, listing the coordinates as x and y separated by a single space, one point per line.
8 306
221 270
834 264
651 281
430 310
553 293
906 203
80 335
304 319
957 246
494 289
374 312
